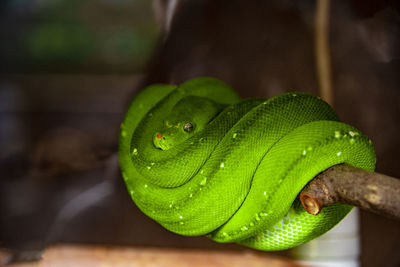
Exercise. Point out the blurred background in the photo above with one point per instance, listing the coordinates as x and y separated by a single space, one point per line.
69 68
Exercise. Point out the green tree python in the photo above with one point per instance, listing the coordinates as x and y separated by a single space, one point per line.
200 160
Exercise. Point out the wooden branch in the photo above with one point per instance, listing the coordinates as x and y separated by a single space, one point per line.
370 191
322 50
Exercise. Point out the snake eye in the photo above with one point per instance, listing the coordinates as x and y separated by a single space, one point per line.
188 127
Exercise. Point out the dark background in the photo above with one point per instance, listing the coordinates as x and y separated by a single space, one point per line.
69 68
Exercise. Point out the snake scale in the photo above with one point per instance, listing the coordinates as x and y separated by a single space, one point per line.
200 160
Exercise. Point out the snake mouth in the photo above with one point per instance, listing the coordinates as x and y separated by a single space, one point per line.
160 142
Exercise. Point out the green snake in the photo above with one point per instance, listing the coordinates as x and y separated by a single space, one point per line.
200 160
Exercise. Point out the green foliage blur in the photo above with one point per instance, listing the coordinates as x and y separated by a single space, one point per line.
76 36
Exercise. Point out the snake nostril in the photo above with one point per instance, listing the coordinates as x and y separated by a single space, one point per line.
159 136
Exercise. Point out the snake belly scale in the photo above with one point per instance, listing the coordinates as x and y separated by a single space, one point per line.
200 160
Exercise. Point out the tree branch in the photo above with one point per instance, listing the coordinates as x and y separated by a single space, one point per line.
370 191
322 50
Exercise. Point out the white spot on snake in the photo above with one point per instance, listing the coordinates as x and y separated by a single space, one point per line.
234 135
181 217
244 228
204 181
191 195
222 165
337 134
132 192
339 153
265 193
304 152
148 167
352 134
201 172
134 152
170 205
224 234
145 186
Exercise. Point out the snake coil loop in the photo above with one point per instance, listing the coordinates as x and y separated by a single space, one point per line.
201 161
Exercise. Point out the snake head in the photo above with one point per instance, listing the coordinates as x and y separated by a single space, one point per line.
173 134
189 116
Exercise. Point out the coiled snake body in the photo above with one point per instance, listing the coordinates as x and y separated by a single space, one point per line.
201 161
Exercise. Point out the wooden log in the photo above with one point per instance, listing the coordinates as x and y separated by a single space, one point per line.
88 256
